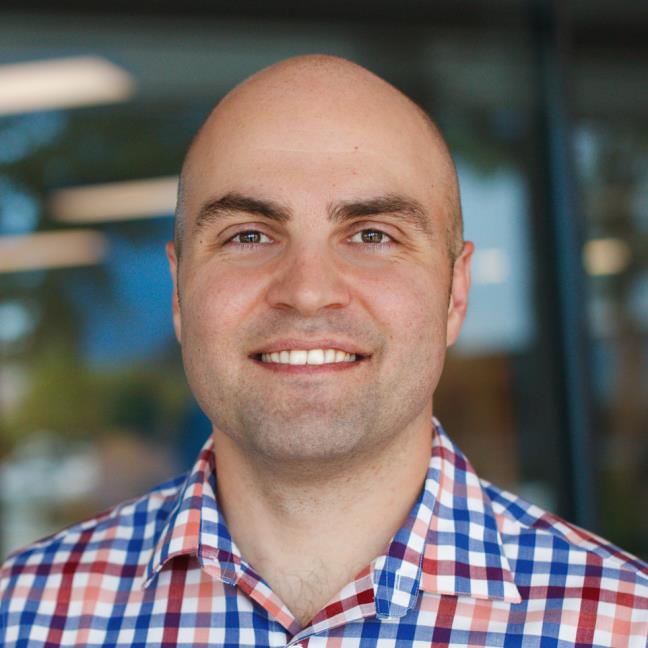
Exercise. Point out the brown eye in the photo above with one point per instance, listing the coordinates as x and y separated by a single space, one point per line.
250 237
371 236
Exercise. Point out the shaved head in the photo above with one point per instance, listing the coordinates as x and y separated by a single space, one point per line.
313 85
318 205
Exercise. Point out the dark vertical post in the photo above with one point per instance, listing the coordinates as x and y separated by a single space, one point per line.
563 233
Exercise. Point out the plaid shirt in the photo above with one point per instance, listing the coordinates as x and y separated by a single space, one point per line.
472 566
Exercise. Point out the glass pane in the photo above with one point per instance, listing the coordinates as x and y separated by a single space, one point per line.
96 405
611 144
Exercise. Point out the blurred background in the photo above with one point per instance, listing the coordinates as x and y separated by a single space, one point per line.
544 106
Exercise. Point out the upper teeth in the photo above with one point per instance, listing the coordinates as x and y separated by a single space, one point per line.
311 357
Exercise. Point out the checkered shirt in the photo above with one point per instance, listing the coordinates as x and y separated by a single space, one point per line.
472 566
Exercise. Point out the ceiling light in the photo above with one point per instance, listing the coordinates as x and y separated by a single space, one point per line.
606 256
44 250
115 201
62 83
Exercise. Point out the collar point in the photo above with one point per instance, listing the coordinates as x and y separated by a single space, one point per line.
392 612
512 595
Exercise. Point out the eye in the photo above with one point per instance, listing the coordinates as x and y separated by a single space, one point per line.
371 237
250 237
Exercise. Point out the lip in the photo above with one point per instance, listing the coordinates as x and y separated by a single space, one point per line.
287 344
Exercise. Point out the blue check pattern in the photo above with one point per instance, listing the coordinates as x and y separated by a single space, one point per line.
472 566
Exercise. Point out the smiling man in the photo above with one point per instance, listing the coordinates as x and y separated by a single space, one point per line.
319 275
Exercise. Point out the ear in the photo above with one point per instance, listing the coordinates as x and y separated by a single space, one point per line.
175 299
459 293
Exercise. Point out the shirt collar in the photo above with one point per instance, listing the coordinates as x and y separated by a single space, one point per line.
449 544
196 526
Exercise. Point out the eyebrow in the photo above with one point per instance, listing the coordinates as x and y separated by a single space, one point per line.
405 209
401 207
232 203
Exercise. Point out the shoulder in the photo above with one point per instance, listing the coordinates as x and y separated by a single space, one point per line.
545 550
117 539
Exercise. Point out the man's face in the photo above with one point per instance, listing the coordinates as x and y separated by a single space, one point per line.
326 231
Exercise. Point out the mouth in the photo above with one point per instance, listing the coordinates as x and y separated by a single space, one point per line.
310 360
312 357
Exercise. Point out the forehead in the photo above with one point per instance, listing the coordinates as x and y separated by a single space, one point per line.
307 146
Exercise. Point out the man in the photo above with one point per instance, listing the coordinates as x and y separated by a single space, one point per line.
319 275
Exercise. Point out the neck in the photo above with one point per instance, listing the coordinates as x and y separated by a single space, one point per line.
308 533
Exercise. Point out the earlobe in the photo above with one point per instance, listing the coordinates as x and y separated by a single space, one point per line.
175 299
458 303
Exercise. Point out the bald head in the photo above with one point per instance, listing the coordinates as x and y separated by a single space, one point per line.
319 207
323 106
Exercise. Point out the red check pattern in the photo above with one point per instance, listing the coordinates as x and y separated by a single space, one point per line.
472 566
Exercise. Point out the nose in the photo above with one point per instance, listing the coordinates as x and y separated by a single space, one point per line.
308 282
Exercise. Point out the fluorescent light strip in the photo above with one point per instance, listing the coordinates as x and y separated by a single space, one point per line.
44 250
62 83
115 201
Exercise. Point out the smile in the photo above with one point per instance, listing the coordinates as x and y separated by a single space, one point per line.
308 357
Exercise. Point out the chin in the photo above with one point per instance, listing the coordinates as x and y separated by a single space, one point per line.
308 439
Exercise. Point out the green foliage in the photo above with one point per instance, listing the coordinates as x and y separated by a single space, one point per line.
78 402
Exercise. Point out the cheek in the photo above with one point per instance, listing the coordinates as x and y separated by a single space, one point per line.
405 301
413 314
216 303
